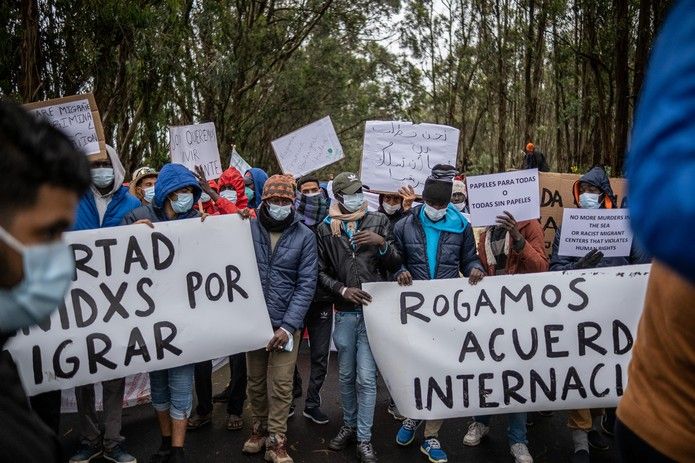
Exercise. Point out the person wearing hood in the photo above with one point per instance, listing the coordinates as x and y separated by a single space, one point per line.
459 195
104 205
355 247
42 177
254 181
142 184
436 241
176 191
396 206
230 196
287 265
592 191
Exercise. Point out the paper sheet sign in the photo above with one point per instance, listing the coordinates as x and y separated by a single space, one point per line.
238 162
397 154
196 145
607 230
78 117
491 195
308 149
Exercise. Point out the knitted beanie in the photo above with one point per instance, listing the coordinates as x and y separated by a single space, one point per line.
279 186
439 184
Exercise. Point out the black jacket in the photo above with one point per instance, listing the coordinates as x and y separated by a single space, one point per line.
342 266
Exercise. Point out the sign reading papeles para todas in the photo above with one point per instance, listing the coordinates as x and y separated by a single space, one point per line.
78 117
196 145
545 341
147 299
607 230
491 195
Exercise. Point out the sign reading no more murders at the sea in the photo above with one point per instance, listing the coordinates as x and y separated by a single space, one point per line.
490 195
607 230
308 149
397 154
196 145
78 117
148 299
521 343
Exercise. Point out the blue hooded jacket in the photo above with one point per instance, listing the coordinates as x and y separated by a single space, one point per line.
259 178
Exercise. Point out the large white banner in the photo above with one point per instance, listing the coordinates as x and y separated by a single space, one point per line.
397 154
148 299
545 341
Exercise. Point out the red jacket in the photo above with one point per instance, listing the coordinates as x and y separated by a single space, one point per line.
531 259
230 177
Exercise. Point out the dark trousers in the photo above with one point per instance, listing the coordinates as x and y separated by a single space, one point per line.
631 448
237 385
47 406
319 323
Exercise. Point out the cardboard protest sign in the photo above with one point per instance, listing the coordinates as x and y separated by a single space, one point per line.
521 343
196 145
308 149
556 194
607 230
78 117
397 154
148 299
238 162
491 195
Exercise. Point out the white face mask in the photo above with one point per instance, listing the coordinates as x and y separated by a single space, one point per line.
102 176
229 194
391 209
148 194
205 197
353 202
460 206
433 214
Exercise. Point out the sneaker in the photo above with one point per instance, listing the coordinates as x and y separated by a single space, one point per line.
118 454
520 453
344 437
222 397
393 411
87 453
406 434
275 449
291 413
476 431
582 456
366 453
198 421
316 415
433 450
255 443
597 441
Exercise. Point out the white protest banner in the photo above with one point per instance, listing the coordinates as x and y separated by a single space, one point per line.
607 230
238 162
308 149
196 145
148 299
78 117
491 195
544 341
397 154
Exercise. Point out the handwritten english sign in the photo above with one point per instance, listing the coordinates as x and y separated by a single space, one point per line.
607 230
397 154
308 149
196 145
491 195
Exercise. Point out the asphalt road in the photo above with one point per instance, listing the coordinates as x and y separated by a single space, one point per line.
549 439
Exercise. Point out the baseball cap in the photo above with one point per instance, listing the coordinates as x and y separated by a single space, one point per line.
346 183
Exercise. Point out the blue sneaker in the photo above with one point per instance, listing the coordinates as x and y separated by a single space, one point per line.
433 450
87 453
406 434
117 454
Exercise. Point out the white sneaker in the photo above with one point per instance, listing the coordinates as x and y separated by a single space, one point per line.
521 454
476 431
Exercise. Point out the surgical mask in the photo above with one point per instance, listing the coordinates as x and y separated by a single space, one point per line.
249 193
434 214
460 206
353 202
148 194
391 209
589 200
48 270
311 195
279 213
205 197
229 194
102 176
183 203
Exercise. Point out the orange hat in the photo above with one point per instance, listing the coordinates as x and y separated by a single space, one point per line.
279 186
530 147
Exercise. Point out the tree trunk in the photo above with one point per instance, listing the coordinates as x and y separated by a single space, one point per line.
644 35
29 82
622 85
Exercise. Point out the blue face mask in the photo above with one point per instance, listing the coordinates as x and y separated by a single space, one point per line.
204 197
433 214
148 194
279 213
229 194
353 202
102 176
183 203
250 194
48 270
589 200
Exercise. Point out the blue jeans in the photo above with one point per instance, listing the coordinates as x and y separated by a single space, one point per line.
172 391
516 431
357 373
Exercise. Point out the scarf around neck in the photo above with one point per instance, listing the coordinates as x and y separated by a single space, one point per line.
350 220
